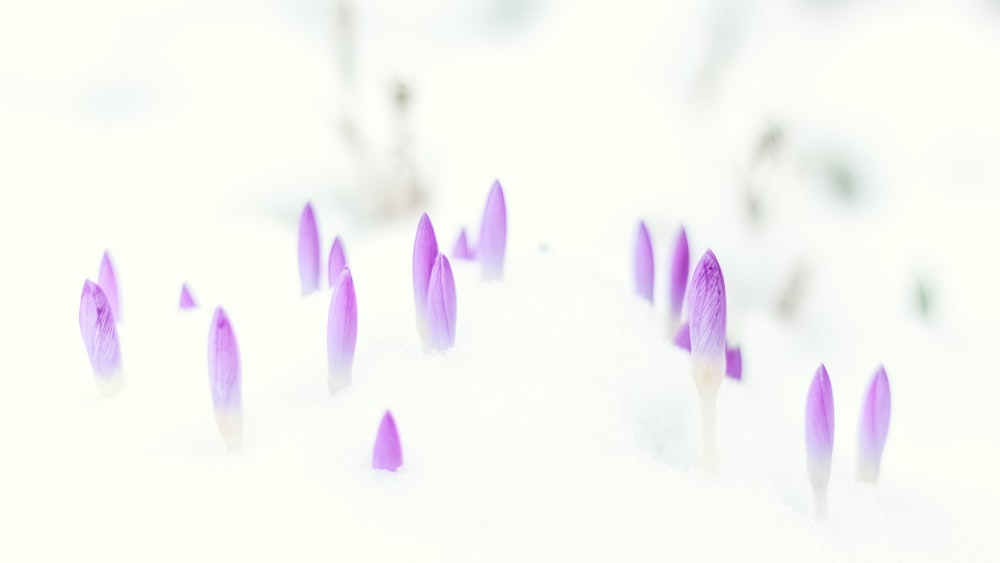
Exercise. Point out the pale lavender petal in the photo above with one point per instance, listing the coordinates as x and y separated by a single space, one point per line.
462 250
643 262
187 300
679 274
874 426
707 317
337 262
224 372
425 251
342 332
97 326
442 305
388 454
734 363
819 428
683 337
493 234
108 281
308 250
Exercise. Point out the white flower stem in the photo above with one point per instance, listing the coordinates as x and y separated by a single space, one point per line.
708 378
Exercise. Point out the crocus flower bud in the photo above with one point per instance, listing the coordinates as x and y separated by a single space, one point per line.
493 234
97 326
308 250
342 332
337 262
643 263
108 281
874 427
462 250
388 454
678 278
425 251
225 379
187 300
707 332
441 306
819 435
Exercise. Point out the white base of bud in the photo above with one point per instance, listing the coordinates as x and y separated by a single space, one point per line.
867 472
110 385
707 379
231 428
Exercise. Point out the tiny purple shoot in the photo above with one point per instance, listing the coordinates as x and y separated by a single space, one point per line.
308 250
493 234
187 300
874 427
462 249
388 454
643 263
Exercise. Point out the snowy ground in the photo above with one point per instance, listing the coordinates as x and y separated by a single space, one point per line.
185 137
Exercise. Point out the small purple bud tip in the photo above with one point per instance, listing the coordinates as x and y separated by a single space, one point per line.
388 454
425 251
644 263
225 378
308 250
97 326
874 426
337 261
442 306
108 281
819 434
707 318
734 363
342 332
493 234
462 251
679 275
187 300
683 337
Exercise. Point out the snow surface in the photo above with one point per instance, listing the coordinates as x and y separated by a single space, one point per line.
185 137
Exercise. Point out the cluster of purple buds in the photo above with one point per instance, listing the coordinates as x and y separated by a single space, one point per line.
309 254
433 290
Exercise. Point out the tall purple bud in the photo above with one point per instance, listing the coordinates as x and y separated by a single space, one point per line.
819 435
97 326
225 379
874 427
678 279
493 234
308 250
187 300
442 306
425 251
462 250
388 454
337 261
707 331
342 332
108 281
643 262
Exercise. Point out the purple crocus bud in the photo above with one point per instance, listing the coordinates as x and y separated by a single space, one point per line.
682 339
462 250
734 363
678 277
388 454
342 332
441 306
707 318
643 263
308 250
874 427
425 251
225 379
187 300
108 281
819 435
337 261
97 326
493 234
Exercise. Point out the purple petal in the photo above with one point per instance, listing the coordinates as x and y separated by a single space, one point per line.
734 363
462 251
97 326
493 234
683 337
679 274
224 372
874 426
442 305
342 332
337 261
819 428
643 260
388 454
707 318
187 300
308 250
425 251
108 281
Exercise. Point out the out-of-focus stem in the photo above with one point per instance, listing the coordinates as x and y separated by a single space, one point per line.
708 378
820 495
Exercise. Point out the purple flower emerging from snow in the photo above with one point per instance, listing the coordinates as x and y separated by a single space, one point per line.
425 251
108 281
388 454
493 234
819 435
187 300
874 426
643 263
442 306
707 318
678 277
225 379
308 250
337 261
97 326
342 332
462 250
